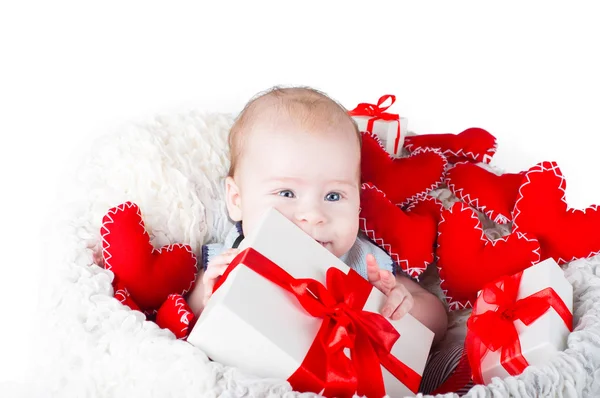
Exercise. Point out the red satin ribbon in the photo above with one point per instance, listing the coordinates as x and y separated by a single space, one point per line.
369 336
378 112
495 330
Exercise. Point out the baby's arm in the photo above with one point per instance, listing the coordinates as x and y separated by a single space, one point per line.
196 297
427 308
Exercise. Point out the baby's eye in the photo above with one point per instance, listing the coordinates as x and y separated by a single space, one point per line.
333 197
286 193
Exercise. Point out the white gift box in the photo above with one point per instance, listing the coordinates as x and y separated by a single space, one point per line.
547 335
258 327
386 131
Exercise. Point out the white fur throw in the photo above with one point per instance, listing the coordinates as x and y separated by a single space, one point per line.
173 168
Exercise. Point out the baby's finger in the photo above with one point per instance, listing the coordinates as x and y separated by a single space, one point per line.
388 281
404 308
372 269
214 271
229 253
209 285
224 258
232 250
216 267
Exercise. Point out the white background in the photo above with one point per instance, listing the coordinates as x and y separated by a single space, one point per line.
525 71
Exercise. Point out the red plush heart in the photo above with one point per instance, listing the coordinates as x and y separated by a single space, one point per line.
148 274
565 234
473 145
468 260
492 194
175 315
408 237
402 179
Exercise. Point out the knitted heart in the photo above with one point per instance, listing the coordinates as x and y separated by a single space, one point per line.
473 145
402 179
492 194
467 260
175 315
565 234
408 237
148 274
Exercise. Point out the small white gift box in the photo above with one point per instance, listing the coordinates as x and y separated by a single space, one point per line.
259 327
537 319
389 128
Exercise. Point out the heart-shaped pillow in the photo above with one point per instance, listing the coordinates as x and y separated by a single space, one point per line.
175 314
148 274
402 179
472 145
467 260
492 194
565 234
408 237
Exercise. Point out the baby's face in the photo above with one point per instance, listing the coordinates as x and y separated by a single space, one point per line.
311 177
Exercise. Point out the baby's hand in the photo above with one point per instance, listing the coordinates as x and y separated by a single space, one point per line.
399 300
214 269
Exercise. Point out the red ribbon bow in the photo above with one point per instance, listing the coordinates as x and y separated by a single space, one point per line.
378 112
368 336
494 330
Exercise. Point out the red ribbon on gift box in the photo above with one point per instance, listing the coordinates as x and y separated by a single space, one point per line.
494 330
378 112
369 336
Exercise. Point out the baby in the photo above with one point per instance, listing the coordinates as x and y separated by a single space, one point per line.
297 150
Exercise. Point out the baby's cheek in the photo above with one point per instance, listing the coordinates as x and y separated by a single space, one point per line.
349 234
353 222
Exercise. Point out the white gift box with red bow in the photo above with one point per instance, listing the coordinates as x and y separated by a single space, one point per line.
254 324
389 128
520 320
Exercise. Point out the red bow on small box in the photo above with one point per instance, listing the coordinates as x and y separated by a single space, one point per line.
495 330
369 336
378 112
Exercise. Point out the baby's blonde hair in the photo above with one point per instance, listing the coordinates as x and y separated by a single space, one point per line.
308 105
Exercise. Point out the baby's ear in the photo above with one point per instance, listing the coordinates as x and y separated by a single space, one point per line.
232 196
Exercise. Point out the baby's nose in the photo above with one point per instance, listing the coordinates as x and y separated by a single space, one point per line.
312 215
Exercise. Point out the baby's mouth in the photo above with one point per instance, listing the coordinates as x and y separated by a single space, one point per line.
322 243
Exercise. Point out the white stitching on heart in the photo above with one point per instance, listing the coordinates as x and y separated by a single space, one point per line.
122 293
486 158
411 206
374 136
181 311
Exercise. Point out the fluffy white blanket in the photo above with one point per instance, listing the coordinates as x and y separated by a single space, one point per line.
172 168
